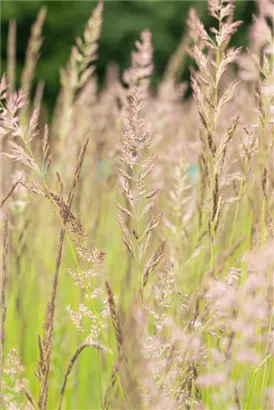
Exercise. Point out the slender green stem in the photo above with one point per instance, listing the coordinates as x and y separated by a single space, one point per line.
256 371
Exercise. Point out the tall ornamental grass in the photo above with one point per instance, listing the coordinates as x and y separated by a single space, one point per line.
137 225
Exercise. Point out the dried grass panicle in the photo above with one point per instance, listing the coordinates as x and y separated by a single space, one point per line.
3 87
221 154
10 123
269 224
110 388
139 74
153 263
181 209
221 8
18 153
116 321
14 384
136 137
137 165
11 65
17 134
46 155
197 30
84 53
12 189
30 399
75 225
206 85
76 176
45 344
32 55
79 71
39 93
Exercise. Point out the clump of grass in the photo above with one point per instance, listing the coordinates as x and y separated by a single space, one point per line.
175 308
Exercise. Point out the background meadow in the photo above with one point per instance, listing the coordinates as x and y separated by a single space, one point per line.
137 205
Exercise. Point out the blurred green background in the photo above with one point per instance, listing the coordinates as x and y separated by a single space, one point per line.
123 21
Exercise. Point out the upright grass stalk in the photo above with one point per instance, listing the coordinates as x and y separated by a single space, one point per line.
32 55
4 272
79 68
256 371
25 154
73 359
206 88
116 322
133 181
11 69
45 343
